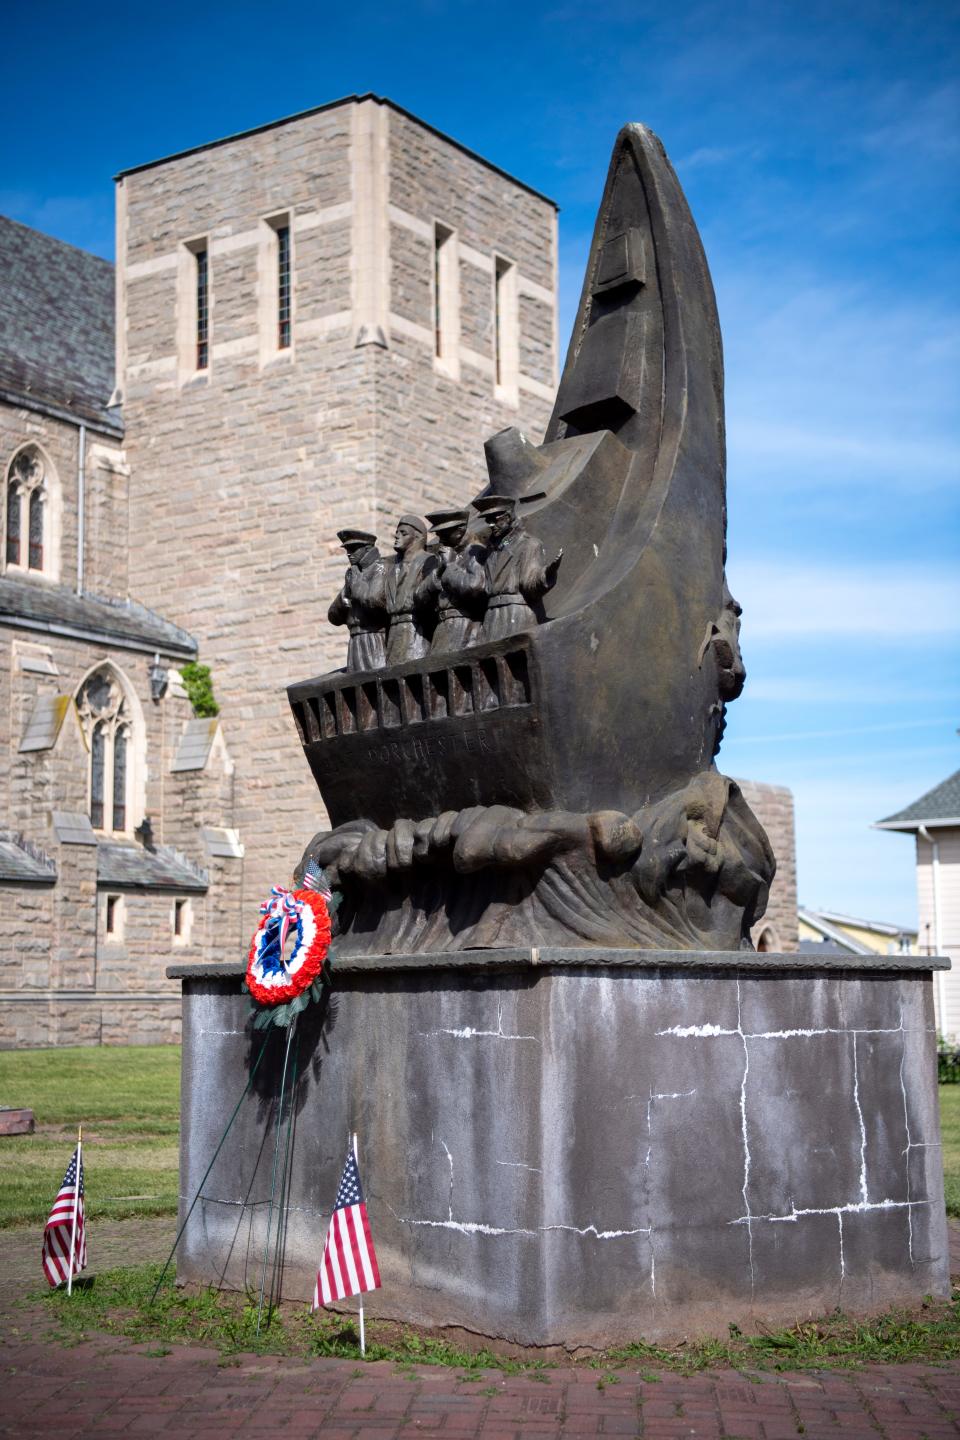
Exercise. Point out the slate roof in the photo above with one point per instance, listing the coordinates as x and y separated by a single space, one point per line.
57 325
23 863
937 807
131 867
818 947
61 612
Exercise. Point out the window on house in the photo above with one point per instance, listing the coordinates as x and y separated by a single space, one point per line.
440 238
506 340
27 510
446 300
283 287
105 717
35 549
13 523
98 747
203 310
275 299
120 779
498 319
112 917
182 921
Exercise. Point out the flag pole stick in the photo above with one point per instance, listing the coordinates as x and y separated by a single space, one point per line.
363 1337
76 1203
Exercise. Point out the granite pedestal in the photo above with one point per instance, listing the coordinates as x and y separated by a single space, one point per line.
580 1148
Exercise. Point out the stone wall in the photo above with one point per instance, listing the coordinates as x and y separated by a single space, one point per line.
58 963
36 1024
105 510
773 807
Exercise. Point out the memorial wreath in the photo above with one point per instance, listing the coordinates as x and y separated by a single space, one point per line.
283 985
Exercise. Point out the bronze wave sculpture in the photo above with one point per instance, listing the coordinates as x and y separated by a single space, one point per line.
553 780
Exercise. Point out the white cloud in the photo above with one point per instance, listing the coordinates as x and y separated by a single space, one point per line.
796 597
887 727
843 689
782 445
836 380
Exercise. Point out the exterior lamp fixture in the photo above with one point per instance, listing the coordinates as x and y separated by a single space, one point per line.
159 679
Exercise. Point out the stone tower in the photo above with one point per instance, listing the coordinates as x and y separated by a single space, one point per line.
319 323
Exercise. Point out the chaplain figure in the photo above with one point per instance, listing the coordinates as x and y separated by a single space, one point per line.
360 604
516 573
457 582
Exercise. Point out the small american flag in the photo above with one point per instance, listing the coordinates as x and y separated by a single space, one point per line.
349 1262
59 1227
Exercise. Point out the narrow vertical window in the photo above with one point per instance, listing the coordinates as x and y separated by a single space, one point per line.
499 317
440 236
506 340
182 922
446 301
97 765
13 525
203 310
283 287
35 549
120 780
113 915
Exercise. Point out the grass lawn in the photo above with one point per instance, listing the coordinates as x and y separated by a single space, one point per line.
128 1100
120 1302
950 1132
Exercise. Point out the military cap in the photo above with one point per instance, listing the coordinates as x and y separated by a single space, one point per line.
489 505
441 520
356 537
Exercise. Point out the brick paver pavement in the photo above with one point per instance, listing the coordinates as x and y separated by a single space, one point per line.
105 1387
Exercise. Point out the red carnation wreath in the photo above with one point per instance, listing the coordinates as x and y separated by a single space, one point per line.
285 984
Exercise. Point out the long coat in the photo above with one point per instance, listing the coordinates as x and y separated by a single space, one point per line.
360 606
409 619
459 591
516 576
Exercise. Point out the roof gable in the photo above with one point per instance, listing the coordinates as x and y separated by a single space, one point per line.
939 805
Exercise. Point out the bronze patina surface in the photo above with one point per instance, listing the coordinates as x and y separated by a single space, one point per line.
533 760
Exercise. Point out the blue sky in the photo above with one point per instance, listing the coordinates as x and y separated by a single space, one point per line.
818 145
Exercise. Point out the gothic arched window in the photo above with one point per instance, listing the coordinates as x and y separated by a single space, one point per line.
28 510
105 716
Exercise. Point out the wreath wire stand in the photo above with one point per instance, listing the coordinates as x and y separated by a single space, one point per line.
282 1207
206 1173
285 1015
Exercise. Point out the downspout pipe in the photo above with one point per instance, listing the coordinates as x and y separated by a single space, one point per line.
81 503
924 834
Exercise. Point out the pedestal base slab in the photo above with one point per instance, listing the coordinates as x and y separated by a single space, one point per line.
583 1148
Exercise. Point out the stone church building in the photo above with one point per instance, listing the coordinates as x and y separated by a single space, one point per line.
310 326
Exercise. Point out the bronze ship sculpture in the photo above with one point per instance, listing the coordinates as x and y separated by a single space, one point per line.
547 776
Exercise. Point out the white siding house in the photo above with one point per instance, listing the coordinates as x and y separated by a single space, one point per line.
935 821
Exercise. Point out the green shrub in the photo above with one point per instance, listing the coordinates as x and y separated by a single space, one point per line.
199 688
